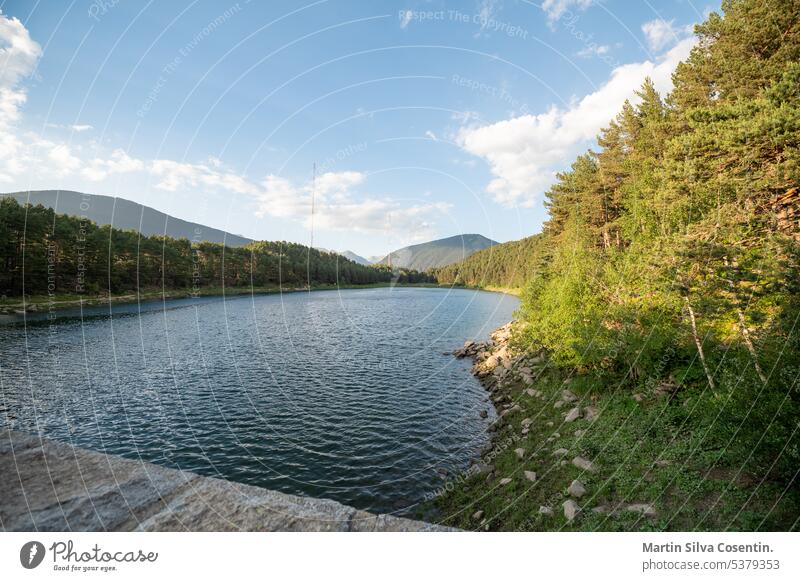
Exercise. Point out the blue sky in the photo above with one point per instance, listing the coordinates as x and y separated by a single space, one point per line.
426 118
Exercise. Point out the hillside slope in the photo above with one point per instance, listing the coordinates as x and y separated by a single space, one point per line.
125 215
437 253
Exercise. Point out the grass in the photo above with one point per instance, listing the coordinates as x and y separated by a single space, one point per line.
656 452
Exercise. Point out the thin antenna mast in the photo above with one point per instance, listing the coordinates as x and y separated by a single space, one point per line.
311 243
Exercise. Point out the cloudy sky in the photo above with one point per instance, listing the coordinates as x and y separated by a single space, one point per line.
425 118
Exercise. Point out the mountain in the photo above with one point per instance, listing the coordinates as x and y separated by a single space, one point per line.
126 215
437 253
356 258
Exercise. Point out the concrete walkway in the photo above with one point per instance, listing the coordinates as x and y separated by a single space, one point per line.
52 486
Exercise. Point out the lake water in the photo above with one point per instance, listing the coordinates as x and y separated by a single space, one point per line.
346 394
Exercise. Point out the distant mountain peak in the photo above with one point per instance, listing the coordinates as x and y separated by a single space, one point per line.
437 253
356 258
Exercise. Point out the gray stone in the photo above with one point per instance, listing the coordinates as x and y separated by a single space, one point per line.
530 475
546 510
520 453
583 464
48 486
644 509
568 396
576 489
559 404
591 413
504 481
560 452
571 510
477 515
572 415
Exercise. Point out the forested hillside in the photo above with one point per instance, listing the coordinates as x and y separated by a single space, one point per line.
670 266
509 265
43 252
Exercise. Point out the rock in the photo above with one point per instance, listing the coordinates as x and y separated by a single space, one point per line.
520 453
525 431
515 409
484 414
576 489
583 464
526 422
546 510
638 397
571 510
52 486
533 392
550 424
560 452
662 463
559 404
572 415
591 413
579 433
644 509
568 396
602 509
477 515
504 481
530 475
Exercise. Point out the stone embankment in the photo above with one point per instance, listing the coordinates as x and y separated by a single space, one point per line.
52 486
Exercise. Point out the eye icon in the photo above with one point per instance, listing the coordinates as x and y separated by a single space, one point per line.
31 554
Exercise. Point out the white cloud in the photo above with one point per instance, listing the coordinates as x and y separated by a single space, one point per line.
175 175
62 161
659 33
99 169
18 57
594 50
555 9
338 207
525 152
75 128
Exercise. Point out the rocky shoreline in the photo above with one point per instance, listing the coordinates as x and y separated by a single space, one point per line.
510 377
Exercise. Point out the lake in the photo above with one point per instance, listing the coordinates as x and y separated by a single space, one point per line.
350 395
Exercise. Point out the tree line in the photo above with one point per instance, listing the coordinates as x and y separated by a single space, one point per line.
671 255
43 252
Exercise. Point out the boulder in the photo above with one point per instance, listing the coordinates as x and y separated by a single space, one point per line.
530 475
560 452
583 464
644 509
571 510
567 395
504 481
576 489
520 453
572 415
477 515
591 413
